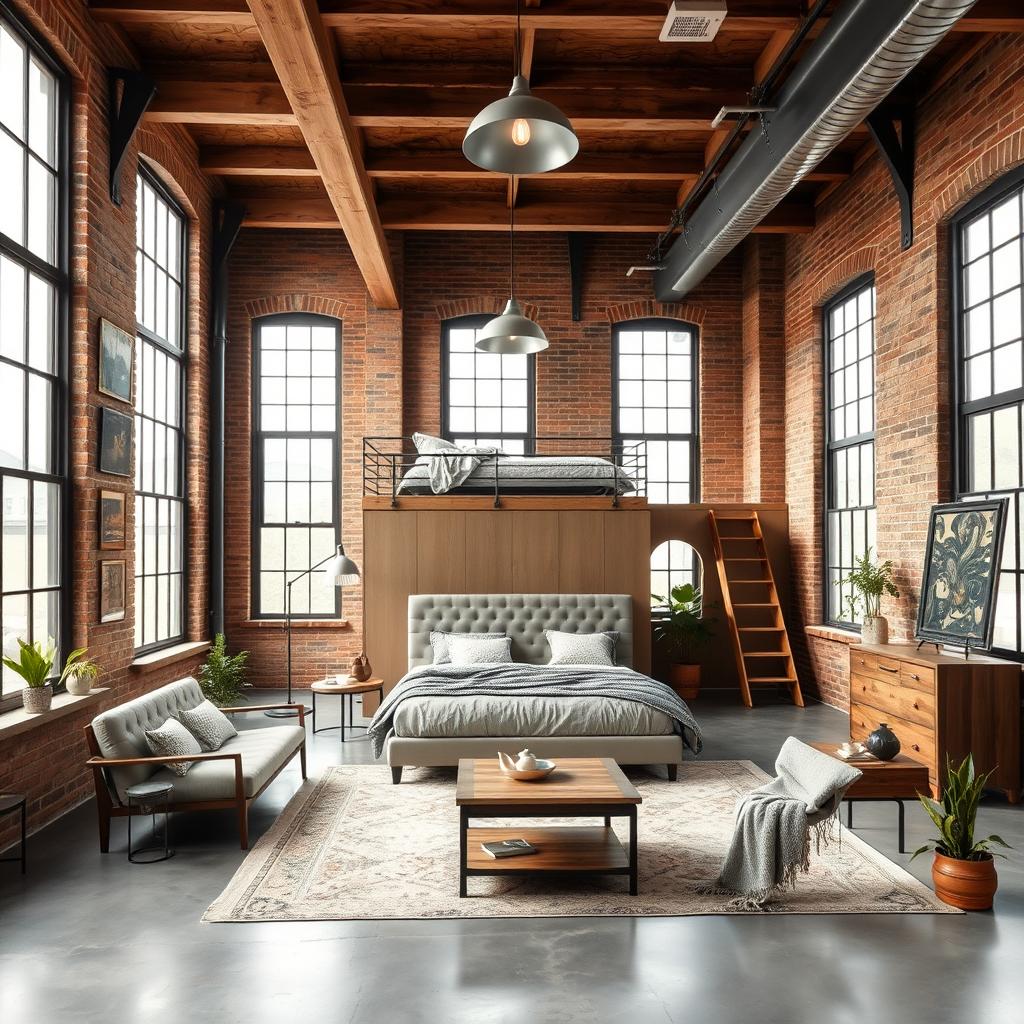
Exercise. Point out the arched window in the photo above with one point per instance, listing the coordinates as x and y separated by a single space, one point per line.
988 324
673 563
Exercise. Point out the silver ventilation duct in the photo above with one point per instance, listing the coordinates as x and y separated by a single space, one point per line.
865 50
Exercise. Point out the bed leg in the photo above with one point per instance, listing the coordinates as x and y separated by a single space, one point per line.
673 772
396 774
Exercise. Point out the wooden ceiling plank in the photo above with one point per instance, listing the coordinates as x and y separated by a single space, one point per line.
301 53
197 102
770 54
279 161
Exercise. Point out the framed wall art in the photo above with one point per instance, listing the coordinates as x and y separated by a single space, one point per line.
117 360
115 442
961 568
112 590
113 532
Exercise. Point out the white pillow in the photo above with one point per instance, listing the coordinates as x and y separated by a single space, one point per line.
209 725
439 642
581 648
488 651
170 739
427 444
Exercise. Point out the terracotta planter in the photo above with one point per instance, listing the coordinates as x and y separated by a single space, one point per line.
875 630
967 884
37 698
685 680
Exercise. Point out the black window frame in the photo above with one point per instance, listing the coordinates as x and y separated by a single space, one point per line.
960 407
855 286
663 323
475 321
257 470
59 276
181 357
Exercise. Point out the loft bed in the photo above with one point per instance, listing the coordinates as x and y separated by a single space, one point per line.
421 466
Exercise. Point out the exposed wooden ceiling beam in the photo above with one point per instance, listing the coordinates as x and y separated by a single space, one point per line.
258 161
302 56
435 213
770 54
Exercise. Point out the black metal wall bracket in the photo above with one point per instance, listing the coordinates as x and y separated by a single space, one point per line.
130 92
576 249
898 153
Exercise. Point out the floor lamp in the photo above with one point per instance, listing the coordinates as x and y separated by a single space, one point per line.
341 572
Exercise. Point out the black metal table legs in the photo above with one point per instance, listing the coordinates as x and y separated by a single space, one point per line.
901 820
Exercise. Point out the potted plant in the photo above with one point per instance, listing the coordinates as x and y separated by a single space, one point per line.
680 632
222 677
870 581
80 673
964 870
35 666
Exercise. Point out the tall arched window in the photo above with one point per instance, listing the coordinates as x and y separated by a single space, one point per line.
654 399
296 462
988 324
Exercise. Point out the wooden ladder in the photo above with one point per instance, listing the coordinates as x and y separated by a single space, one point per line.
759 638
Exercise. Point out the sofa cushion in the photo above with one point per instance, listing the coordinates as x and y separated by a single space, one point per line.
263 751
173 738
209 725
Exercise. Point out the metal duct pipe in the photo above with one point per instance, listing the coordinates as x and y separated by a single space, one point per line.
864 52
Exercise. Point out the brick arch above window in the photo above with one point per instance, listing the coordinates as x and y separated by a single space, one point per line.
644 309
480 304
163 159
844 271
1004 155
297 302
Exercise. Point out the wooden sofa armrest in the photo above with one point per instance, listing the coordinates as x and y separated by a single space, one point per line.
96 763
300 708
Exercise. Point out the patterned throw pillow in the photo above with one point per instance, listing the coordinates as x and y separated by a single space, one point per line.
170 739
209 725
581 648
439 643
488 651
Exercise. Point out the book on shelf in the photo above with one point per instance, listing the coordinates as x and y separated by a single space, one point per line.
507 848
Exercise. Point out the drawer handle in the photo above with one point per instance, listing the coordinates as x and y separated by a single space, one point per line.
885 668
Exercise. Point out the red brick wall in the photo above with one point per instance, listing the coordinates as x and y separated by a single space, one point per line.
969 132
47 762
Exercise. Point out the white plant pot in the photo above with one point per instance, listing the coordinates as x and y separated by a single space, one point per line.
37 698
78 686
875 630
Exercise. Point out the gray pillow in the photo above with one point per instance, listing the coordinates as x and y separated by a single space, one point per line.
439 643
488 651
209 725
581 648
170 739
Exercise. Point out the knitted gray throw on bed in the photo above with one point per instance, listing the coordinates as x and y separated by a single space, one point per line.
519 680
772 841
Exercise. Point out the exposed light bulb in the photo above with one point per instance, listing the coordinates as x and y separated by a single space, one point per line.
520 131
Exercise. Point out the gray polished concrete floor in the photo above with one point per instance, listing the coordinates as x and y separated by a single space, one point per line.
87 937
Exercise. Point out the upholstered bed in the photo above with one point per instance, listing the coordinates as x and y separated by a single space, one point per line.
438 730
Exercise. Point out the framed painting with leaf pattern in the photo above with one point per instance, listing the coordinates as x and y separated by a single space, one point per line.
961 568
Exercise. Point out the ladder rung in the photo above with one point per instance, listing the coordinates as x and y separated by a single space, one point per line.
730 558
765 680
747 516
766 654
761 629
753 604
769 582
727 536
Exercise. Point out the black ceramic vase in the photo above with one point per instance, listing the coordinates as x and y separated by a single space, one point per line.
883 743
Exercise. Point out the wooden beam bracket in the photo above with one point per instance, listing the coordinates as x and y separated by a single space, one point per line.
130 93
897 151
576 252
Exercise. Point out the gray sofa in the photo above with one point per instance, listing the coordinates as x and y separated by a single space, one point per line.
231 777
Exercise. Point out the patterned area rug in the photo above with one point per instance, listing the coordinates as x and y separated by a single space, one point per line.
353 846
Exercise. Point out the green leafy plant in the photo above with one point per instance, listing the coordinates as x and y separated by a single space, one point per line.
683 629
35 664
955 816
870 581
222 677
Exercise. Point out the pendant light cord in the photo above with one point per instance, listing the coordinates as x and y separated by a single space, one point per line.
512 238
517 56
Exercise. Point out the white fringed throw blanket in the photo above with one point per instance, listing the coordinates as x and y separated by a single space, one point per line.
772 841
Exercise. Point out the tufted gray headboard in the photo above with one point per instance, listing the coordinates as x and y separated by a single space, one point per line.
524 617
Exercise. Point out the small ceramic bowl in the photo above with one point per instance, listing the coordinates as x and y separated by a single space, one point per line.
542 771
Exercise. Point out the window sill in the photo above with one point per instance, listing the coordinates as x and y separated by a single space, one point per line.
169 655
279 624
18 720
833 633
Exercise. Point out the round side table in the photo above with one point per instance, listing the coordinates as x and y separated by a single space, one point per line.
156 798
349 688
9 803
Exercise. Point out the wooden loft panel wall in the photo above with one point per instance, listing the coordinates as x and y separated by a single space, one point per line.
518 551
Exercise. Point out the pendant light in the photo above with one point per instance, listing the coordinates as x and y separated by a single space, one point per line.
512 333
520 134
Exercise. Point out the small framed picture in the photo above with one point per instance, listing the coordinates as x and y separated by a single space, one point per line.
117 359
112 590
115 442
112 521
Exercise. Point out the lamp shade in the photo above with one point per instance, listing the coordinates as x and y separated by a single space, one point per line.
341 571
520 134
512 333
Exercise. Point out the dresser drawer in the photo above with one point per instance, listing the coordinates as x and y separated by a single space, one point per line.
916 741
917 677
874 665
893 699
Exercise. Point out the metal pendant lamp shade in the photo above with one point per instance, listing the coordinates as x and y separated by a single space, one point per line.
520 134
512 333
341 571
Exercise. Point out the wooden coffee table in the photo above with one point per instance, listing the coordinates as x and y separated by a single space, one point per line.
900 779
580 787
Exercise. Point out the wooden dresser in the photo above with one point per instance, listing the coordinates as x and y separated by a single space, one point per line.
939 705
